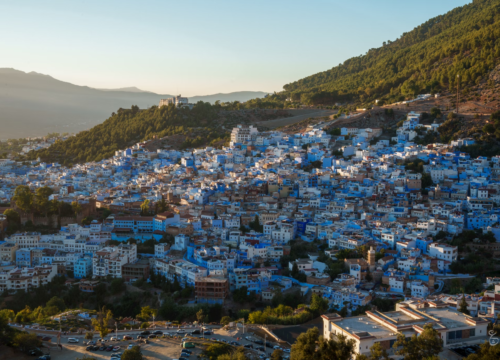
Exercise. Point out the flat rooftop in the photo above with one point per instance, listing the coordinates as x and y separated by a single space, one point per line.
440 317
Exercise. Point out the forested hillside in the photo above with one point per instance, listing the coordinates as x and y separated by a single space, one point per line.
465 42
129 126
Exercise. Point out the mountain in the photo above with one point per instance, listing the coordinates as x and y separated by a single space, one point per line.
128 89
199 126
465 41
33 104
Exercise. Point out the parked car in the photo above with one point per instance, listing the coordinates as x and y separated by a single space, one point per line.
152 336
235 343
116 356
277 347
116 348
109 348
95 348
113 338
287 351
181 331
260 348
140 337
269 345
248 346
207 333
131 346
196 332
127 337
186 351
158 332
89 348
146 332
102 348
44 357
72 340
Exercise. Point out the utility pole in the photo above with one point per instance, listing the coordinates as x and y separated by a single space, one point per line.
458 96
116 331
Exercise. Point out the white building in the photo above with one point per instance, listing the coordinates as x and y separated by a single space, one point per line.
443 252
177 101
243 133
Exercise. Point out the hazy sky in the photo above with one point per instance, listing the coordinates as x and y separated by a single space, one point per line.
199 47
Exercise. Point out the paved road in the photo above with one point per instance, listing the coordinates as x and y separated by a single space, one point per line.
294 119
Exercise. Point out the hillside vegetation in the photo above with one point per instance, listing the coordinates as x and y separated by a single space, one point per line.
129 126
465 42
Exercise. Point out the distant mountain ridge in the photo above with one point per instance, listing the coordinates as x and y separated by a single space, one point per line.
34 104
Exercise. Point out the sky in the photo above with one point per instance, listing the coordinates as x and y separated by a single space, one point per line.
199 47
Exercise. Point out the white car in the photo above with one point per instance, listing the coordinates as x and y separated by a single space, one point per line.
181 331
277 347
131 346
72 340
287 351
113 338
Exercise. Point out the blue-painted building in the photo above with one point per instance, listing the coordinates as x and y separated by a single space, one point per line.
24 258
83 267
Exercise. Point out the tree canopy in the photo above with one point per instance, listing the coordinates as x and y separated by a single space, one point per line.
426 59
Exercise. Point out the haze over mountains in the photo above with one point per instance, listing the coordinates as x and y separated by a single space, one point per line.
33 104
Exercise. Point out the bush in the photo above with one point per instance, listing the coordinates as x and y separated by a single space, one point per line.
144 325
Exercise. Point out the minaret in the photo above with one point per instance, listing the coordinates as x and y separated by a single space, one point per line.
371 258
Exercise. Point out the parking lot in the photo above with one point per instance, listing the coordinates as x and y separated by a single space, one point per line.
465 350
164 347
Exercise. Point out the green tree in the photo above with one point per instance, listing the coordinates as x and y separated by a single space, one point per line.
133 354
435 112
277 355
295 270
145 325
23 198
225 320
426 180
376 353
42 199
489 128
486 352
305 346
6 332
89 335
341 349
147 312
368 276
215 350
100 323
200 316
145 207
12 216
77 208
26 342
318 304
463 305
117 286
57 302
162 205
424 346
